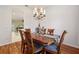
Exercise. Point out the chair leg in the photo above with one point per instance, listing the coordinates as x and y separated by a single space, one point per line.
58 52
44 51
22 48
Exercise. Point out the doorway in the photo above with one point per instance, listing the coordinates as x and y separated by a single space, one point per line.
16 25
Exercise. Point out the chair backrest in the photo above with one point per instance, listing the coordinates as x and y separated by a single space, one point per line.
22 35
50 31
29 39
29 30
44 31
61 39
28 35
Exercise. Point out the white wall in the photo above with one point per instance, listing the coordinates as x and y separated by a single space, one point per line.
5 25
64 18
29 21
6 13
78 26
61 18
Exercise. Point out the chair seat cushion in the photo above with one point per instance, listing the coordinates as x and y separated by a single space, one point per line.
51 47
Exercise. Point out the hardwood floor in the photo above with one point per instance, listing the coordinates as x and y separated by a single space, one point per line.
15 48
65 49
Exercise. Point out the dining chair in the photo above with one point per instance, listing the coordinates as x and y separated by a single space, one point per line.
30 44
23 41
28 29
43 31
55 48
50 31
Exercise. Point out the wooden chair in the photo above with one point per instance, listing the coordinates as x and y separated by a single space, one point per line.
43 31
50 31
23 41
30 44
55 48
29 30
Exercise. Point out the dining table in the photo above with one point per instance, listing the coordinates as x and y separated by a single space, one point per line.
45 39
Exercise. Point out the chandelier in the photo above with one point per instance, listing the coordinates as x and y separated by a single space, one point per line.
39 13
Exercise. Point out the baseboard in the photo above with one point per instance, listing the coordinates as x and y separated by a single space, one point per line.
5 44
74 46
9 43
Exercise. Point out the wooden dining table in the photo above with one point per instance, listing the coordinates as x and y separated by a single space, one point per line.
42 39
